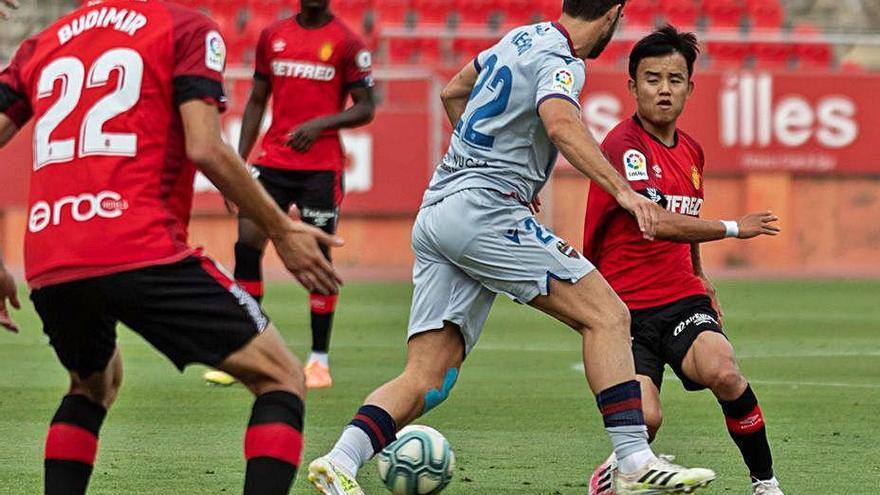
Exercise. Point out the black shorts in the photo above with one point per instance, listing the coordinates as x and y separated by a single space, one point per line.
317 194
663 335
190 311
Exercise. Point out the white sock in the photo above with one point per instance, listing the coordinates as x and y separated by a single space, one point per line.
321 357
635 461
352 450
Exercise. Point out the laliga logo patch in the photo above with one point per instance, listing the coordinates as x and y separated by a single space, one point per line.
636 165
364 60
215 51
563 80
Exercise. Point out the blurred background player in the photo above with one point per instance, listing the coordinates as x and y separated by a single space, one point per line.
109 205
475 237
676 319
309 63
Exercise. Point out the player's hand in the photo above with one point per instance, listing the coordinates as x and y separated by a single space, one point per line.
713 296
647 213
755 224
7 291
5 5
535 205
298 249
231 207
303 137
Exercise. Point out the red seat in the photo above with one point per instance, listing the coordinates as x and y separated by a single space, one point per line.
680 13
432 11
519 12
641 13
812 55
352 12
765 14
476 12
724 13
431 52
549 10
392 12
464 50
773 55
730 55
615 55
402 50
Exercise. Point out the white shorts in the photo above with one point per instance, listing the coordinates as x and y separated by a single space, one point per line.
477 243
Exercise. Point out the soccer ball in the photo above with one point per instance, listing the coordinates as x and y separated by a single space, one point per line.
420 462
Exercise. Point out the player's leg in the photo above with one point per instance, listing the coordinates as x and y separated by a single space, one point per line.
711 362
318 200
84 339
193 312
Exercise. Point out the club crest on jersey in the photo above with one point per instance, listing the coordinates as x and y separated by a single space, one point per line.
563 80
696 177
657 171
215 51
326 51
567 250
279 45
636 165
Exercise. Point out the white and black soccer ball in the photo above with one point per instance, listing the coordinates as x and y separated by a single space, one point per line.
419 462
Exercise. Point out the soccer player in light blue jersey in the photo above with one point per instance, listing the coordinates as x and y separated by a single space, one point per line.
475 237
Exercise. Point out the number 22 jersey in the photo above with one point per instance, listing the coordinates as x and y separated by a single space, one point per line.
111 187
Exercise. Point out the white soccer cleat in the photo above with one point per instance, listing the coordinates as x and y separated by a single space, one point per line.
661 476
767 487
601 483
329 478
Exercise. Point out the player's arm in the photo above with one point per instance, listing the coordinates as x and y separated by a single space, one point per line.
455 95
7 291
8 129
571 137
360 113
682 228
697 262
252 119
4 11
295 241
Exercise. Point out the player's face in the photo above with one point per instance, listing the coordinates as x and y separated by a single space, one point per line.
314 4
610 29
661 88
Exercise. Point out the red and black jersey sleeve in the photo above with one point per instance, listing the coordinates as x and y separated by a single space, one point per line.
14 101
263 58
357 64
199 59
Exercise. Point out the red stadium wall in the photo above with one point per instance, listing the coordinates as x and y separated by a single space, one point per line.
802 144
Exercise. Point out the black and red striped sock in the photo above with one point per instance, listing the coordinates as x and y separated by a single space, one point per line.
248 269
71 446
273 443
323 307
745 422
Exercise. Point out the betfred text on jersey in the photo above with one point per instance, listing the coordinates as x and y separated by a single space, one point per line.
685 205
125 20
303 70
81 208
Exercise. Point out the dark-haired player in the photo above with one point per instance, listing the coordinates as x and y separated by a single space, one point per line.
475 237
309 64
125 96
675 317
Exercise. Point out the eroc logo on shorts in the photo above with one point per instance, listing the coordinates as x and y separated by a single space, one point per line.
80 208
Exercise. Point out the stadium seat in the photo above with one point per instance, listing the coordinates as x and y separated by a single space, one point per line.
464 50
682 14
778 56
811 55
392 12
724 13
476 12
765 14
433 12
519 12
353 13
615 55
726 55
402 51
640 13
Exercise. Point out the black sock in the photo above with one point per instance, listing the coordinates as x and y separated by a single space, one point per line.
71 446
273 444
323 308
248 269
377 424
745 422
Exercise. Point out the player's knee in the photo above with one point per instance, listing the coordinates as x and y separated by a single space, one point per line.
436 389
615 319
100 392
726 380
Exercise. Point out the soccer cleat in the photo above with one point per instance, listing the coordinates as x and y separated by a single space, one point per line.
217 377
766 487
661 476
318 375
601 481
329 478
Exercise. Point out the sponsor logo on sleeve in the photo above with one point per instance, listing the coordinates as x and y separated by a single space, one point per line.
636 165
696 177
215 51
364 60
563 81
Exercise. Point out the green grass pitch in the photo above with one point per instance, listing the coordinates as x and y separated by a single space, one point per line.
521 418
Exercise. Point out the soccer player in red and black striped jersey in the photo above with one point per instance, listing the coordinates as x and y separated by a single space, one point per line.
674 314
126 98
310 64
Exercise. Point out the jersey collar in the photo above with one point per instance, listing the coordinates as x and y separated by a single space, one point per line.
674 138
564 32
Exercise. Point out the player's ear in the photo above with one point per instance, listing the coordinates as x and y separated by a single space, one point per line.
690 87
633 88
613 13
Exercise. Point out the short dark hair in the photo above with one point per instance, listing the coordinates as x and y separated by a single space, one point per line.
589 9
665 41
